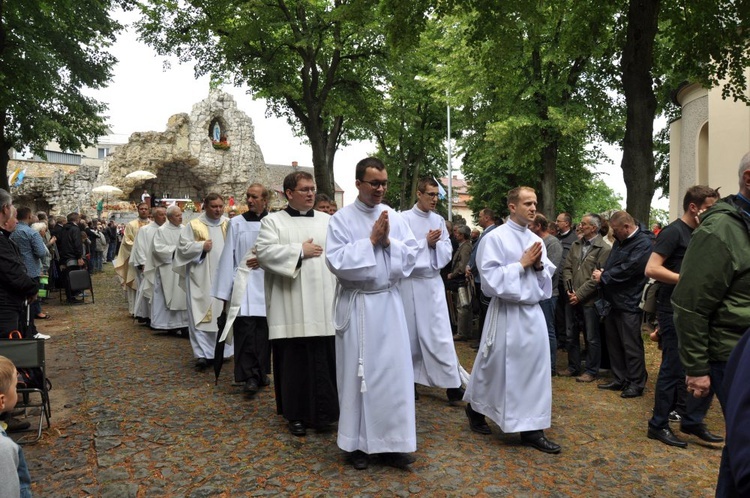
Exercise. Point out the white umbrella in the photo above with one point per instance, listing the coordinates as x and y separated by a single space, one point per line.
140 175
106 189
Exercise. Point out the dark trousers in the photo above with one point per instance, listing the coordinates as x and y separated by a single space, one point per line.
484 305
304 374
626 354
252 350
583 317
9 319
671 382
548 308
111 251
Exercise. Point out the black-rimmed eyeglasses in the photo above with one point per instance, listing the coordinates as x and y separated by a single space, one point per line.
376 184
431 194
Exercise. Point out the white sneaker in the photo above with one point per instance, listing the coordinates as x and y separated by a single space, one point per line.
39 335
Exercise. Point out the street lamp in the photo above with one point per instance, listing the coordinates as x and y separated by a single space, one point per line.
450 166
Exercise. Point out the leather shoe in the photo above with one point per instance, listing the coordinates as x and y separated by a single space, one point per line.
201 364
16 425
542 444
398 460
251 387
612 386
701 432
297 428
666 436
360 460
632 392
568 373
265 381
586 377
477 422
454 394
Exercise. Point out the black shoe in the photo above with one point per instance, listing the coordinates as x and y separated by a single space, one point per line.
632 392
265 381
477 422
666 436
15 425
398 460
612 386
297 428
201 364
701 432
474 346
454 394
541 443
251 387
360 460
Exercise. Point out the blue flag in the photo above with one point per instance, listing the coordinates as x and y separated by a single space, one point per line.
441 190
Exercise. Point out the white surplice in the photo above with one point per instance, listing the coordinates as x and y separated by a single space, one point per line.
168 299
510 382
199 269
138 257
374 368
299 299
432 349
238 246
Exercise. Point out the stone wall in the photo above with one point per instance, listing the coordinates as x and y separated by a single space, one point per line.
183 157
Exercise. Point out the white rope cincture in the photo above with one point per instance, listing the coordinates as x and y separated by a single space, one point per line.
491 329
358 294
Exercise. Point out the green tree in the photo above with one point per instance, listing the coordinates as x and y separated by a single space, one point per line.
597 198
664 44
50 51
409 122
315 62
536 107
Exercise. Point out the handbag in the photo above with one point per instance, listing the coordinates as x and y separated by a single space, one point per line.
464 297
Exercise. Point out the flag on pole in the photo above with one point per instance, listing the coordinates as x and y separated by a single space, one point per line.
441 190
20 178
13 176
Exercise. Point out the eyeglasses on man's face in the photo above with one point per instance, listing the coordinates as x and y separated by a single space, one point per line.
430 194
376 184
306 190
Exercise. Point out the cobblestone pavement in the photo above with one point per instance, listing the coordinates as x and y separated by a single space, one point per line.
131 418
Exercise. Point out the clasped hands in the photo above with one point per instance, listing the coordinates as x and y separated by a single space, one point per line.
380 231
532 256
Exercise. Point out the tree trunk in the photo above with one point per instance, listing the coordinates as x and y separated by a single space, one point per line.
549 181
638 145
4 151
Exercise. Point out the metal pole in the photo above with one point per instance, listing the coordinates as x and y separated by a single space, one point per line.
450 167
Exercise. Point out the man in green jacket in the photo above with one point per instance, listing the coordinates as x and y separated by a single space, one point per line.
712 298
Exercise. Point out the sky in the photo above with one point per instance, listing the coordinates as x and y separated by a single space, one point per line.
144 94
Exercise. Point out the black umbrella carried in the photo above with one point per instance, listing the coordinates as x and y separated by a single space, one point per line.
219 347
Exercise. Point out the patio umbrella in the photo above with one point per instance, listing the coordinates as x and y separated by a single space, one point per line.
106 189
140 175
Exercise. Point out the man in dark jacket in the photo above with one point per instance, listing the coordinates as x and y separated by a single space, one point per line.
712 299
15 285
622 280
70 247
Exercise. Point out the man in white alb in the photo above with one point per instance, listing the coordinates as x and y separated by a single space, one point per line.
168 299
432 350
197 259
370 248
510 381
141 252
